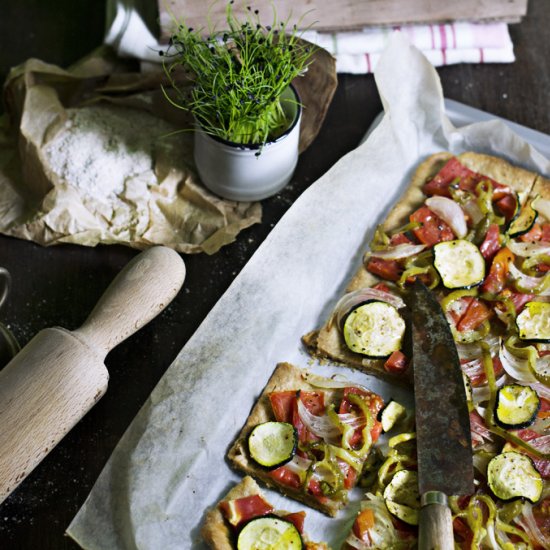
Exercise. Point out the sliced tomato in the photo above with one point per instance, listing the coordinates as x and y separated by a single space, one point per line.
541 464
478 429
297 519
433 229
314 488
498 273
375 404
400 238
315 404
463 532
382 286
453 171
285 409
476 313
396 363
518 298
541 513
350 475
545 237
282 403
481 378
507 205
544 411
390 270
491 244
286 477
533 235
363 523
242 509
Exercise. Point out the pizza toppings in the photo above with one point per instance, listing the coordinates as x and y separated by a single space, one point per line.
432 229
275 533
391 414
240 510
534 322
374 329
524 221
401 496
273 444
459 264
450 212
512 475
516 406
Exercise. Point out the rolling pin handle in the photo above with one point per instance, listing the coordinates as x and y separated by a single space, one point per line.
138 293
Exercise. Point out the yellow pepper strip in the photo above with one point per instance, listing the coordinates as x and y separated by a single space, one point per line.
359 402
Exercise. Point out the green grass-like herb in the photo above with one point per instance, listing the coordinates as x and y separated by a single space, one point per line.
238 75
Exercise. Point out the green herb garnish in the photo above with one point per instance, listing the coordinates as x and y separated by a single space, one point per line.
237 75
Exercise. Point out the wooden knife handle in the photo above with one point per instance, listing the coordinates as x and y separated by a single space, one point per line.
435 522
138 293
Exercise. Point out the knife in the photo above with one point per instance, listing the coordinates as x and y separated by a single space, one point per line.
444 446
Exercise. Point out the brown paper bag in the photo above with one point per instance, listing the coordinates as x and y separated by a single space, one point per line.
95 154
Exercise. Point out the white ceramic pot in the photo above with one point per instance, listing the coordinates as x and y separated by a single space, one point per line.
235 171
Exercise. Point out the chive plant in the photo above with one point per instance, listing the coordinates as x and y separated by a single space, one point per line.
238 75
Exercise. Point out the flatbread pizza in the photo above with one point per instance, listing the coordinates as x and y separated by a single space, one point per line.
476 230
309 437
473 190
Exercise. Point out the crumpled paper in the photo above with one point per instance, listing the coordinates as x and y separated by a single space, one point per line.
169 466
165 204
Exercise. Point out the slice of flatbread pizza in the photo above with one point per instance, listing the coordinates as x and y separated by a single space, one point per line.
309 436
244 518
452 229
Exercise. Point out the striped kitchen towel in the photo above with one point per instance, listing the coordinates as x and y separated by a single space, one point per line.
443 44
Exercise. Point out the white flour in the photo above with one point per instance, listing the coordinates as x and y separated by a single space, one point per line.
101 147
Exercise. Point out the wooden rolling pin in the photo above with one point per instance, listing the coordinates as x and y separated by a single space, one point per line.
59 375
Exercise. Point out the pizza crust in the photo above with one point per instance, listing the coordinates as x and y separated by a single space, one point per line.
285 377
328 342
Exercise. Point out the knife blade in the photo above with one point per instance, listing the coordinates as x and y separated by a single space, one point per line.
444 446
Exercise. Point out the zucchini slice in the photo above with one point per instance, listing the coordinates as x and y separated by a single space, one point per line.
516 406
390 414
525 220
534 322
513 475
269 533
374 328
459 264
272 444
401 496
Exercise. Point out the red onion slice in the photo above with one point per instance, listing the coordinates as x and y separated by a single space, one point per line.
518 369
299 465
398 252
352 299
528 249
450 212
474 211
321 426
528 282
527 521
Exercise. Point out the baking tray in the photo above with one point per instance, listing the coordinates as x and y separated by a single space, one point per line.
462 115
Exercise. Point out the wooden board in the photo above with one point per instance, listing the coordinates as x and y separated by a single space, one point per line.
345 14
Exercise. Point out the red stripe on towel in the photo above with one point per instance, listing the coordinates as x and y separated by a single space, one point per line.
443 36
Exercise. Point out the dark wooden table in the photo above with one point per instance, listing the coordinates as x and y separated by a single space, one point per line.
60 285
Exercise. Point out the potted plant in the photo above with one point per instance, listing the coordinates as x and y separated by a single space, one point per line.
247 113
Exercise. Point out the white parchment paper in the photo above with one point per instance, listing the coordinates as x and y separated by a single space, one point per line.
170 466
